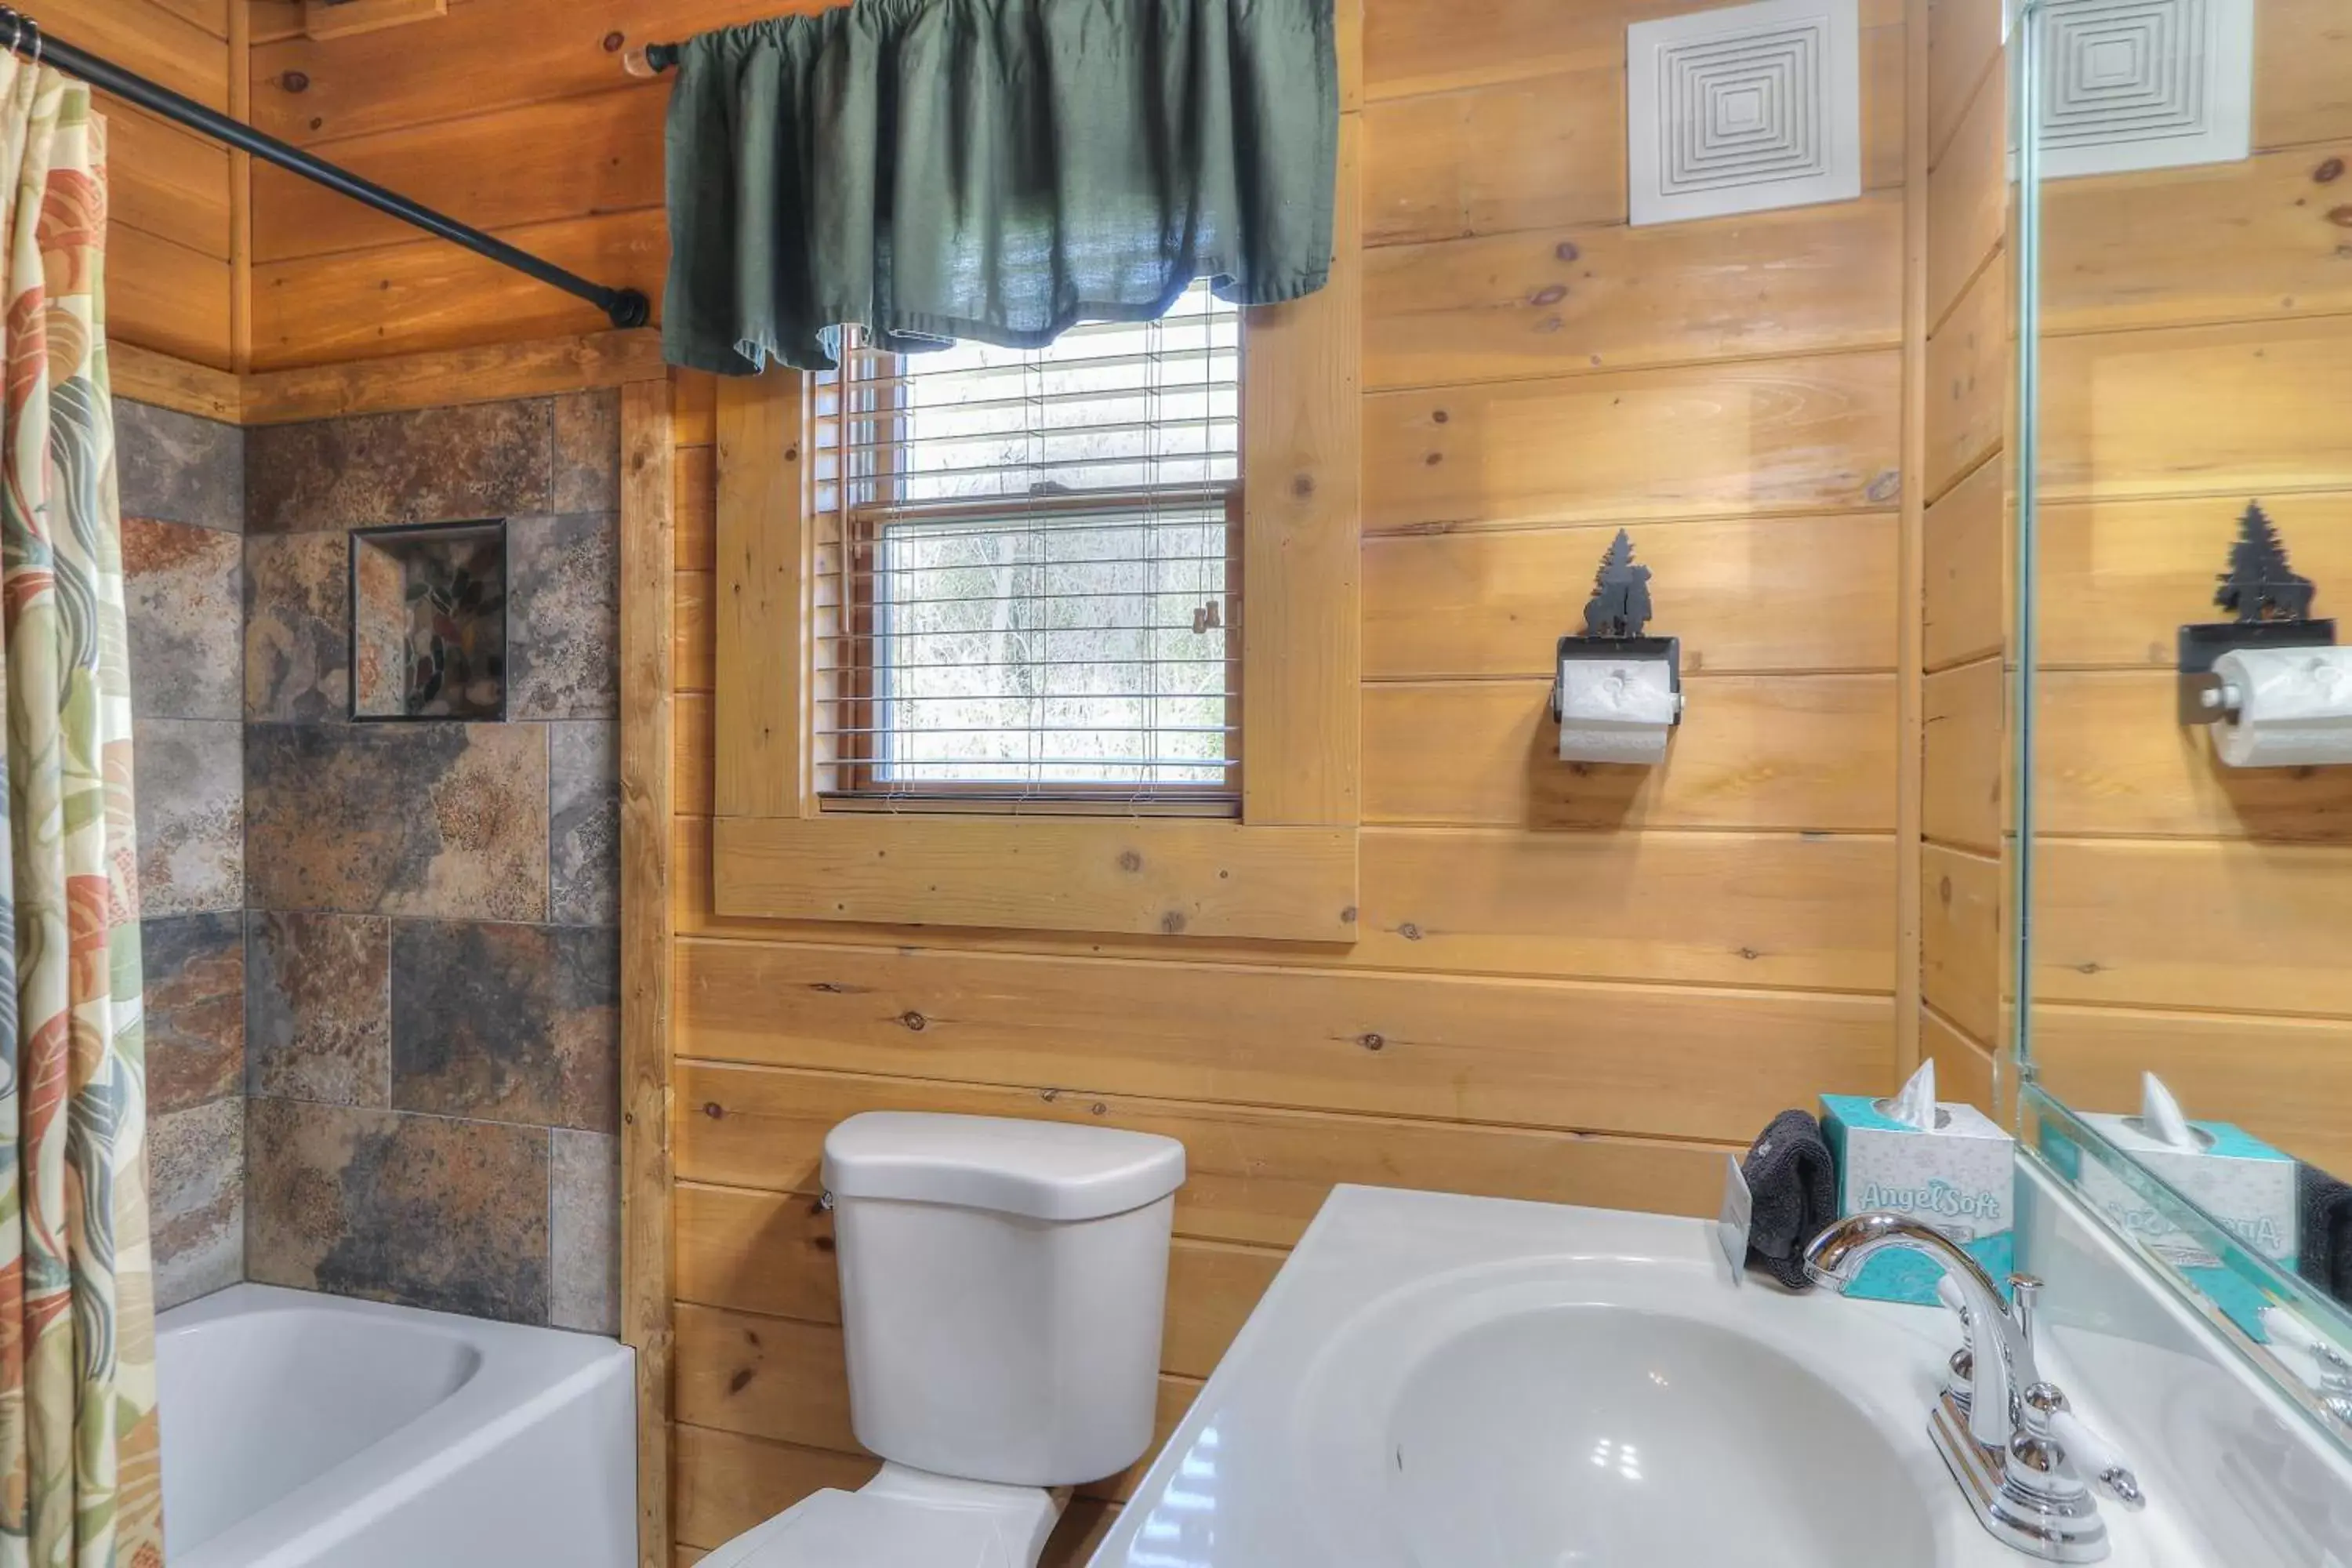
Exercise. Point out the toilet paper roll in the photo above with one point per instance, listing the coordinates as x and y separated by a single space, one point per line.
1592 744
2294 707
1615 711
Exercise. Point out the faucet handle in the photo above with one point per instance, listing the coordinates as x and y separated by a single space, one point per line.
2094 1460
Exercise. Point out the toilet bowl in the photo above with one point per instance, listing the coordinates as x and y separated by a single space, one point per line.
1002 1284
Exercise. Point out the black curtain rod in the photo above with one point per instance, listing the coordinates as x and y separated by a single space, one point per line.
656 57
621 307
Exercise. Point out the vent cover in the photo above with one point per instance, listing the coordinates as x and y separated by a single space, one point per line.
2145 84
1744 109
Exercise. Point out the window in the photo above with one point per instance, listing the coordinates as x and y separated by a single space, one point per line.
1061 642
1034 559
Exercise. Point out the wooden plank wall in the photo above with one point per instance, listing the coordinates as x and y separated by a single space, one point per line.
2193 919
513 115
1586 985
1576 983
1965 351
169 239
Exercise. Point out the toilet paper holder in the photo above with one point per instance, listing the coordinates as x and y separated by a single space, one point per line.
2271 602
1615 617
2203 700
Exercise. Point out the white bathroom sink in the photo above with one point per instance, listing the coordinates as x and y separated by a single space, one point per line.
1444 1382
1600 1434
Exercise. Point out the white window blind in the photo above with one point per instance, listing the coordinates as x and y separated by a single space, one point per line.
1028 570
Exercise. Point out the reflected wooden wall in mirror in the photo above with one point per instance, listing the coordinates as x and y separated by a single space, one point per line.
2186 306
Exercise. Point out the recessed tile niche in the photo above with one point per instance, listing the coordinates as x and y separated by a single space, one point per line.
429 621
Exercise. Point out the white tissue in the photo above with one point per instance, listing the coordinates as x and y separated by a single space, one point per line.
2160 1117
1616 710
2294 707
1915 1106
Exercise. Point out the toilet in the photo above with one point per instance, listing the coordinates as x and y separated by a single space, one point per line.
1002 1284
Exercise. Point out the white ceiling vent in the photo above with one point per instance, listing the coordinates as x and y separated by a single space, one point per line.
1744 109
2145 84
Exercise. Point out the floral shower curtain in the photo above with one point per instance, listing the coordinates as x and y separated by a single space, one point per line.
79 1478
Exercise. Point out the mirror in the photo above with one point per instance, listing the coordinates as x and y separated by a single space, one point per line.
2181 708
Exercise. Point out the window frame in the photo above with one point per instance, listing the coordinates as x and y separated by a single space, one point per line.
862 790
1284 869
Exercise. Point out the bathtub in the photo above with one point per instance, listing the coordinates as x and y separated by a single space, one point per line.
304 1431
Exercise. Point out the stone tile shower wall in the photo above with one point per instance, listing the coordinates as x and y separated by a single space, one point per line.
432 953
181 483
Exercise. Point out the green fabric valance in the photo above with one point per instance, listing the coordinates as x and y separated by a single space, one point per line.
993 170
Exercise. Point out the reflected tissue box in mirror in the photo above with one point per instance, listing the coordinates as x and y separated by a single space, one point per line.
1960 1177
2230 1174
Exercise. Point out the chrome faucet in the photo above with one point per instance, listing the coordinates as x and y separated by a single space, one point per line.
2329 1373
2024 1460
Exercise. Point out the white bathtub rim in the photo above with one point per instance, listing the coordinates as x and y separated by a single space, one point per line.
526 1374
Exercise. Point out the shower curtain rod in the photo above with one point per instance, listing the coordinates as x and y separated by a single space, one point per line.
621 307
651 60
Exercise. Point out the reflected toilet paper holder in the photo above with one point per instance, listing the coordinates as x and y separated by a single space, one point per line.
2271 602
2204 697
1614 621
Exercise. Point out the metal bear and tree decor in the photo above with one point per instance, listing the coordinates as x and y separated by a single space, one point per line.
2271 602
1616 617
2259 586
1620 605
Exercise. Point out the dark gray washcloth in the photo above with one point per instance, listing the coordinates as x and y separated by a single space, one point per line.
1794 1183
2323 1242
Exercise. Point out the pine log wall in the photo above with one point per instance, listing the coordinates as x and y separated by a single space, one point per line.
1581 984
1966 351
174 208
513 115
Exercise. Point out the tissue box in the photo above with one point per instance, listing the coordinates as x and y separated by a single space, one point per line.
1961 1178
2236 1177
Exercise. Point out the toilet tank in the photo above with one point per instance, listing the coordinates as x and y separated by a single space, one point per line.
1002 1283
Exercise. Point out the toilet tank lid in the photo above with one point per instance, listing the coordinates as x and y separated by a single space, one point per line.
1041 1170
